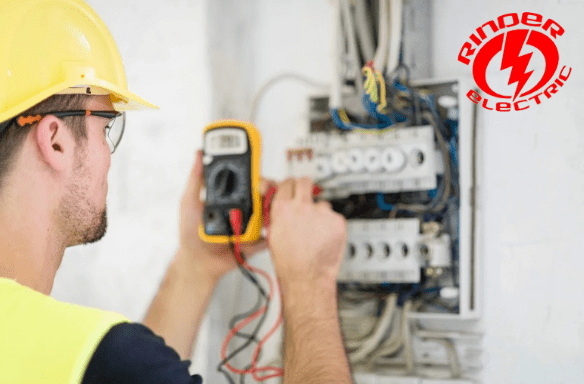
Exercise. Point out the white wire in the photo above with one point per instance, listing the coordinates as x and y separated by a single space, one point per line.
395 342
408 339
335 101
274 80
455 369
354 60
382 327
357 320
444 338
356 329
396 14
392 345
381 53
364 31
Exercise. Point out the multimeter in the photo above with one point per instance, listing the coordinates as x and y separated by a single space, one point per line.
231 159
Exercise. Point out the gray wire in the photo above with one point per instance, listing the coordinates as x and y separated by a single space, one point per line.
364 30
273 81
381 328
352 44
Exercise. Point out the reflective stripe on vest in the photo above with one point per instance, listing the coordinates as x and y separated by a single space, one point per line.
45 341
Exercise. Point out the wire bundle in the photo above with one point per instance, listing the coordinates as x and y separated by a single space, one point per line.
237 325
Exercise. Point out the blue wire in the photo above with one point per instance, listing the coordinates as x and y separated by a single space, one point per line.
403 297
371 108
453 151
400 86
382 204
342 125
337 120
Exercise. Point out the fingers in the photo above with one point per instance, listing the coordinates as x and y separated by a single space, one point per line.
304 190
285 190
196 181
324 205
265 185
253 248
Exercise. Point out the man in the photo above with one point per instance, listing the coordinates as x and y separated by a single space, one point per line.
62 94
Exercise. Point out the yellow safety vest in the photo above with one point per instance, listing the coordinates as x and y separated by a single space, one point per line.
45 341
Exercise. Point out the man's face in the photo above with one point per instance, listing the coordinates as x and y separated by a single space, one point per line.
83 209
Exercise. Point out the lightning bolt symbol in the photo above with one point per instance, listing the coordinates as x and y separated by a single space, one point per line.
513 43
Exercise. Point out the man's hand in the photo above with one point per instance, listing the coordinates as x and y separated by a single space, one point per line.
212 260
177 310
307 239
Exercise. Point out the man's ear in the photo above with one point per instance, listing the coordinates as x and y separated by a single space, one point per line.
55 142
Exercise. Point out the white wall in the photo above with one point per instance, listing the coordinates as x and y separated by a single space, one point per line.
532 166
533 209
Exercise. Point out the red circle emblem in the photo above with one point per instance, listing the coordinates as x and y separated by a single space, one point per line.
510 33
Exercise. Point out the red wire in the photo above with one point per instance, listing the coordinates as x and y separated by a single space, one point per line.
235 220
267 203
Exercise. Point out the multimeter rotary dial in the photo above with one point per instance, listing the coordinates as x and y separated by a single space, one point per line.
230 183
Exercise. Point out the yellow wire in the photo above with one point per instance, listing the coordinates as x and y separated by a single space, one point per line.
343 116
370 84
374 131
382 95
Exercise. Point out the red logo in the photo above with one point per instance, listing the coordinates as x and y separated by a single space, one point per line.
510 35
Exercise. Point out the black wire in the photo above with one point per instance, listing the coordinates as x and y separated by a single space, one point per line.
237 318
242 377
250 338
229 379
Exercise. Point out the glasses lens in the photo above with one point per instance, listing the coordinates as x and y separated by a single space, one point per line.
116 131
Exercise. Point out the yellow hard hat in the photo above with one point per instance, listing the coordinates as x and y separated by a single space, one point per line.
50 47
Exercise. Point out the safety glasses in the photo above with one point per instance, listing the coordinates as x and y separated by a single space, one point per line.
114 130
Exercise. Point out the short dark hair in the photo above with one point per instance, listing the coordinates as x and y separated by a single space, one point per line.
13 137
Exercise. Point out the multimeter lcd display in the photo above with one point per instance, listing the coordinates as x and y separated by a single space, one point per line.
226 141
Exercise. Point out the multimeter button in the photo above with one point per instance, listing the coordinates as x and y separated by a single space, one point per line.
207 159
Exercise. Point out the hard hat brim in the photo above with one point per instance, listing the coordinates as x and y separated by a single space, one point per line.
122 99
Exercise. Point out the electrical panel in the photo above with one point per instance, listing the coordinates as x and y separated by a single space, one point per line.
365 174
387 184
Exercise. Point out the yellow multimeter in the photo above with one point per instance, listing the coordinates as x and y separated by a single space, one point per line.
231 159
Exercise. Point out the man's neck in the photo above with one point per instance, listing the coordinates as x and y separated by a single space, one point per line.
30 252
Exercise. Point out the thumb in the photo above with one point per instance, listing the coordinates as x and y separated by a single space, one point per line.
196 181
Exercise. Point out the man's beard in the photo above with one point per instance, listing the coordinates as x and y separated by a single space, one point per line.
82 223
78 218
95 233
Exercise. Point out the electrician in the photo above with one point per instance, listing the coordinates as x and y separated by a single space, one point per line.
63 97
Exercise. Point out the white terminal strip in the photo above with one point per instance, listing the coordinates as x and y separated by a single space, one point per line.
391 251
356 163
